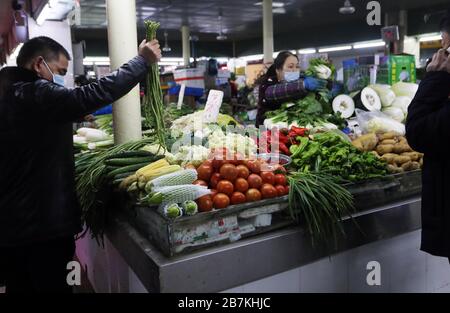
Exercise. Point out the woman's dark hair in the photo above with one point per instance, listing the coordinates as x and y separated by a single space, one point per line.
278 64
43 46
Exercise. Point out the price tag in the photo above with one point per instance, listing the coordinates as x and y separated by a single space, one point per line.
181 96
213 105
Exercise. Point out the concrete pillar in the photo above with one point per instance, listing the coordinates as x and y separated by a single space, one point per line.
185 33
268 31
122 42
402 29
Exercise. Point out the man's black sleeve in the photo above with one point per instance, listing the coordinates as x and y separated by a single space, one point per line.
428 121
52 102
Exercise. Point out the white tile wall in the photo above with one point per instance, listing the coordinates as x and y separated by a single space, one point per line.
327 275
404 268
286 282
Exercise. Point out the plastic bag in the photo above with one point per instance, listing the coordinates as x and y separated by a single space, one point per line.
378 122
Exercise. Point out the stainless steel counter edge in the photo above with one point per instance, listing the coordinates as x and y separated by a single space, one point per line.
220 268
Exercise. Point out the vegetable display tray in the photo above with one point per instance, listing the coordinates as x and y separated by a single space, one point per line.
207 229
190 233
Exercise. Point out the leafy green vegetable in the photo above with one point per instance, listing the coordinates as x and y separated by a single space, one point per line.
329 153
316 68
313 110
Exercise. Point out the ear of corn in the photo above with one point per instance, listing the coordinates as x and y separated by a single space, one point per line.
183 177
152 166
176 194
151 174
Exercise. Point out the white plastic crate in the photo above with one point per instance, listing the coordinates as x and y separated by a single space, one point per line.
191 77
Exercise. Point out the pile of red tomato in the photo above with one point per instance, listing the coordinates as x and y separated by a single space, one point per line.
234 181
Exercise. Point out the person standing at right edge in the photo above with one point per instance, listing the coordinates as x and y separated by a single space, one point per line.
428 131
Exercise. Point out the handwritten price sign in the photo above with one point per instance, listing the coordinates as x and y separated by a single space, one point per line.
213 105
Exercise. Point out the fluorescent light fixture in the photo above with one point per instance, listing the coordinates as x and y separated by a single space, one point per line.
255 57
96 59
279 10
274 4
338 48
430 37
168 63
363 45
102 63
307 51
222 60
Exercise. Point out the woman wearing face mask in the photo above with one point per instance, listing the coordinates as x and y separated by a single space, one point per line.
282 83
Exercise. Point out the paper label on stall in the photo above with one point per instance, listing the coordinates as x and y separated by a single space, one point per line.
213 105
181 96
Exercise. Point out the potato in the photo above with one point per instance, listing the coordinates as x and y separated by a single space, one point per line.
410 166
366 142
393 169
389 135
407 166
401 148
375 154
415 166
401 159
414 156
388 142
383 149
389 157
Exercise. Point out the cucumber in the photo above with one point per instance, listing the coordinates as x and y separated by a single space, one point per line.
117 181
126 169
129 161
130 154
124 175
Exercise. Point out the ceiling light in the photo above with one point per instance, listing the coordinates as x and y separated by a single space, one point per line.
339 48
274 4
307 51
255 57
347 8
279 11
363 45
430 37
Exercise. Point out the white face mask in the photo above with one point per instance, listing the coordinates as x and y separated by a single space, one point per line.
291 76
57 79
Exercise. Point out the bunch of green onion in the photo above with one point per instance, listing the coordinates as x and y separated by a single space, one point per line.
153 106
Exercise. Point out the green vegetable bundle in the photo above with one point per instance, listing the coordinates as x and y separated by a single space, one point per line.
94 174
313 110
321 68
329 153
321 203
153 101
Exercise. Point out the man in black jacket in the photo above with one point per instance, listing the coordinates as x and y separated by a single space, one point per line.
39 211
428 131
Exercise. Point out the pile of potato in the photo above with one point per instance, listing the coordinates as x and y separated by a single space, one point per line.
393 148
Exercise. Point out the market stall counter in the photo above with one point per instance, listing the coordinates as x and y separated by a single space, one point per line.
387 208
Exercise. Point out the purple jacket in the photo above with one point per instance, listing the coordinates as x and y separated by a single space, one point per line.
273 93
